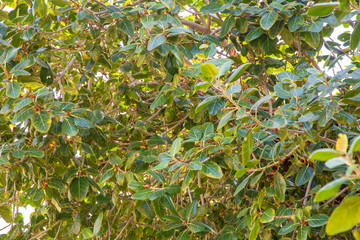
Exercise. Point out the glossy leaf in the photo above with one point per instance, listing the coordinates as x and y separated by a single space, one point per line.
41 121
324 154
155 42
345 217
322 9
268 20
280 186
211 169
13 90
209 70
78 188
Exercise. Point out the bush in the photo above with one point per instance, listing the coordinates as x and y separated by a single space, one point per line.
180 119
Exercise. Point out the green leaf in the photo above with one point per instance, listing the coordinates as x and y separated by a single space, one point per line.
143 194
41 7
202 86
280 187
185 235
288 228
344 217
317 220
336 162
255 231
125 26
79 187
254 34
277 121
13 90
76 226
175 147
322 9
68 127
41 121
192 210
95 116
20 66
60 3
18 153
6 214
227 25
156 42
233 89
87 149
238 72
196 227
211 169
170 4
213 7
87 233
160 99
23 103
268 20
354 146
82 122
247 147
304 175
276 29
330 189
33 152
303 233
106 175
224 120
115 160
58 183
355 37
267 216
242 24
97 225
295 22
324 154
81 14
195 134
242 185
204 103
23 115
261 101
158 176
209 70
146 209
216 104
241 172
10 54
312 38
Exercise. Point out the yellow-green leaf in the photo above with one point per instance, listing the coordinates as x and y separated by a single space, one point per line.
342 143
345 217
211 169
209 70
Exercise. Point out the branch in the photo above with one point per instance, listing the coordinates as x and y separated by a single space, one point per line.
195 26
177 124
62 74
61 29
118 236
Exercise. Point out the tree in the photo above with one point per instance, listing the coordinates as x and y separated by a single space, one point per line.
179 119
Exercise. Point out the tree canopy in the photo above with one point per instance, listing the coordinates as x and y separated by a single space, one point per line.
179 119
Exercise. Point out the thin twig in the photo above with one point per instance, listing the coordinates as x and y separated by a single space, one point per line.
117 237
58 231
307 191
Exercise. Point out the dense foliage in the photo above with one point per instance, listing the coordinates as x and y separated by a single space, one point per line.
179 119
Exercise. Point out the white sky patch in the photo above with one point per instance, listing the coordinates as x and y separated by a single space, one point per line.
26 212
